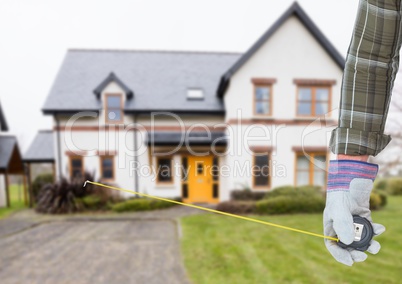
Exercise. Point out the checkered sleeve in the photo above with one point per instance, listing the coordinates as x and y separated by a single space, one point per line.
371 66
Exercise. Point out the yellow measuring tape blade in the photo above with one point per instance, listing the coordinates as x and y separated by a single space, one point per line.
214 211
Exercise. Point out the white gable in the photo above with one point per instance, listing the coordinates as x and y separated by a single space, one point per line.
113 88
291 52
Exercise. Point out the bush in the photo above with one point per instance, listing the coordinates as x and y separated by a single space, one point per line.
237 207
92 202
39 182
70 196
246 195
141 204
58 198
394 186
307 190
290 204
380 184
375 201
383 197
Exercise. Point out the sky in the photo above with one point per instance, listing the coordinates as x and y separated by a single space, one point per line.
35 36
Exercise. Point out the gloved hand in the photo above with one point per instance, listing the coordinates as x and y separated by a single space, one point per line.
348 193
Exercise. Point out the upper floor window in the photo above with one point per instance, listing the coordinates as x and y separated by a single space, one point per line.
113 108
262 100
262 96
313 96
312 100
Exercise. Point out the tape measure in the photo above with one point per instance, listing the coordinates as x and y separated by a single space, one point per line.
364 233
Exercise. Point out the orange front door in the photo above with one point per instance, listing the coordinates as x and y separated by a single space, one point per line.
200 183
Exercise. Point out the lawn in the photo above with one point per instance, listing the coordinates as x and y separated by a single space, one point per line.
220 249
16 200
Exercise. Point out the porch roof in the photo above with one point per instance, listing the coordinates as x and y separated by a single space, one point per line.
41 149
10 157
164 138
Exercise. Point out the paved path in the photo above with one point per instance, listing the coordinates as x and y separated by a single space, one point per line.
128 248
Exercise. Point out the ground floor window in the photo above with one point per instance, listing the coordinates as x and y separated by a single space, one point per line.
261 171
311 172
107 167
76 166
164 170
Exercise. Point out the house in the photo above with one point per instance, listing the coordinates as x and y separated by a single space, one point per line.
10 161
200 124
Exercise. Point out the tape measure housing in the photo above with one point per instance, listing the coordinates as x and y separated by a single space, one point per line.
364 233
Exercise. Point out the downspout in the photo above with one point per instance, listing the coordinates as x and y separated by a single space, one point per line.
136 181
58 147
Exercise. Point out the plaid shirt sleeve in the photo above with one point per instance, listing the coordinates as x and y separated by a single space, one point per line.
371 66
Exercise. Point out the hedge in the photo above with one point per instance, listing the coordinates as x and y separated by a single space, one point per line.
246 195
375 201
394 186
237 207
289 190
290 204
380 184
141 204
383 197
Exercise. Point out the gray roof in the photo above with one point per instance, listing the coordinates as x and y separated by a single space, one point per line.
159 79
41 149
297 11
7 146
160 138
3 122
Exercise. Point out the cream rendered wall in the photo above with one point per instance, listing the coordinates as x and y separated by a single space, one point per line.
92 140
122 141
290 53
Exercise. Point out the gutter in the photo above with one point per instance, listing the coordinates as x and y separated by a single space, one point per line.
136 181
58 147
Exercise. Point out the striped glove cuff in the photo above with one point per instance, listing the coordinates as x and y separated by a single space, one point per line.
342 172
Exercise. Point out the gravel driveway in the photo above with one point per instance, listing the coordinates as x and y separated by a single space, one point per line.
141 249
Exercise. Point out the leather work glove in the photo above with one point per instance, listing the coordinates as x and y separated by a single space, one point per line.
348 193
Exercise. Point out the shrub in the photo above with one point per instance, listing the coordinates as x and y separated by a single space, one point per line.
380 184
246 195
375 201
394 186
237 207
383 197
39 182
141 204
280 191
306 190
70 196
58 198
290 204
92 202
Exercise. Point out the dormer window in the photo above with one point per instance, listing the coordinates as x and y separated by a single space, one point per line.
195 94
113 108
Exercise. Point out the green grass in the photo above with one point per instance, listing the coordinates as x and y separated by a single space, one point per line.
219 249
16 203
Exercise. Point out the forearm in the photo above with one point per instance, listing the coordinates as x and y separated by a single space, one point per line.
360 158
369 74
